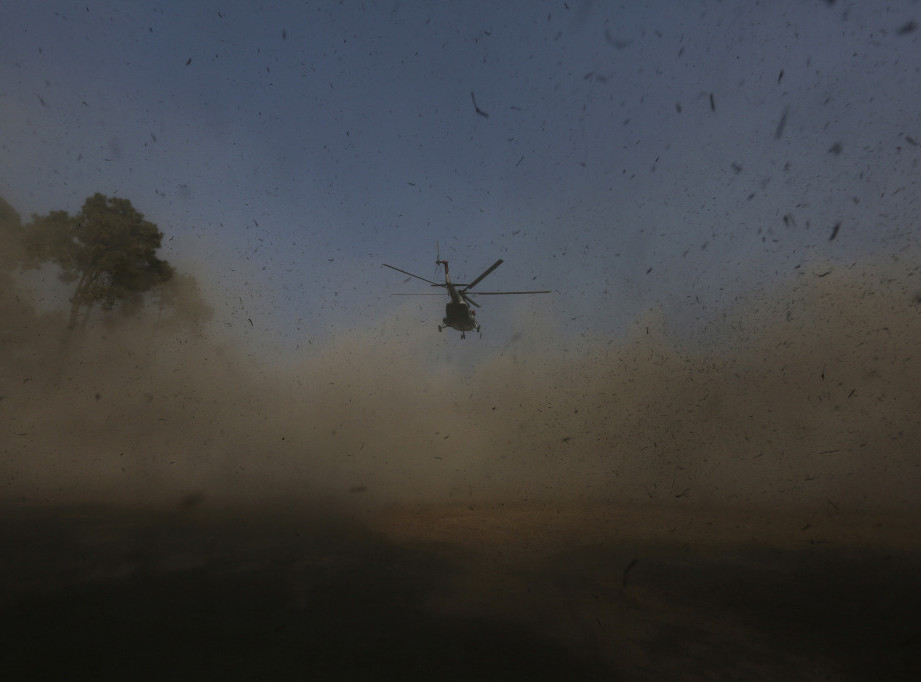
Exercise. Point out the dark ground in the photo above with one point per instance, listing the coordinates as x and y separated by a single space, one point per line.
101 593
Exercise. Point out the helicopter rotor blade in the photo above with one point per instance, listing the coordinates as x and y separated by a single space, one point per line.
412 275
505 293
487 271
470 300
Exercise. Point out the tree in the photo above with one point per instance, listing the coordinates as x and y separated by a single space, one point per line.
108 249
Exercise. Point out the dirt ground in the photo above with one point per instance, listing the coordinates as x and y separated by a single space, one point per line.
526 592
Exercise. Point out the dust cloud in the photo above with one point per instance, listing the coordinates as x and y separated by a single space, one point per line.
806 395
735 502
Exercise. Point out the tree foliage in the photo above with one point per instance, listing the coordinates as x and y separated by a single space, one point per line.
108 249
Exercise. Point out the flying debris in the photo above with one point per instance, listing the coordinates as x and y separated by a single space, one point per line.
476 108
627 572
616 43
459 314
782 123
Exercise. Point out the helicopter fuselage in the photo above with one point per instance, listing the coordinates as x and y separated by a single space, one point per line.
458 313
459 316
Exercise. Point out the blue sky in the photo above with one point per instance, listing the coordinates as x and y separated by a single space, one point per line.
632 157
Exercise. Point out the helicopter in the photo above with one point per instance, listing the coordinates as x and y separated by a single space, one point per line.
459 314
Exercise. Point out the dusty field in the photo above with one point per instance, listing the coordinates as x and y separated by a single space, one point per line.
539 592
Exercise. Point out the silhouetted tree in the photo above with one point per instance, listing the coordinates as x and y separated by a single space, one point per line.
108 249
